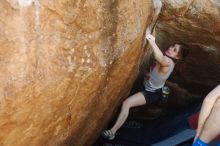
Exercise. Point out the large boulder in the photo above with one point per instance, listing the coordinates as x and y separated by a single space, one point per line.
65 67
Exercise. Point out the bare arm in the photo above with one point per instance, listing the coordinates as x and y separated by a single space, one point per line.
157 52
207 106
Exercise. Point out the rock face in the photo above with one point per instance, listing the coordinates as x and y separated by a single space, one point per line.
196 23
65 65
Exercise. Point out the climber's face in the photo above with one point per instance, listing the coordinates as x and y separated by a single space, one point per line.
173 51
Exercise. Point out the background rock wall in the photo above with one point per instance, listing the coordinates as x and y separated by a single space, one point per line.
65 65
196 23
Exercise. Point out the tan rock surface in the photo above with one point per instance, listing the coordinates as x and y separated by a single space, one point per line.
65 65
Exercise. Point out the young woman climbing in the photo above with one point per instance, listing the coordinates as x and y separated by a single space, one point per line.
153 82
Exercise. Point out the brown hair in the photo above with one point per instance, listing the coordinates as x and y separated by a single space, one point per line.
184 50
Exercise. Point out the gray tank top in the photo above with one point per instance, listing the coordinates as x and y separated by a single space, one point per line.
155 80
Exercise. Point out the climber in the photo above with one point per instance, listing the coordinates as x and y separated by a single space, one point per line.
209 119
153 82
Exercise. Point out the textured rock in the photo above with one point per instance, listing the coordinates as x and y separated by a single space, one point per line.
65 65
196 23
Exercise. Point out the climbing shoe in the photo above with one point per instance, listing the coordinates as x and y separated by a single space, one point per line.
108 134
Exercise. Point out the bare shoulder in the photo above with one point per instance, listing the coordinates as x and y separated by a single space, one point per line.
217 89
166 62
214 94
